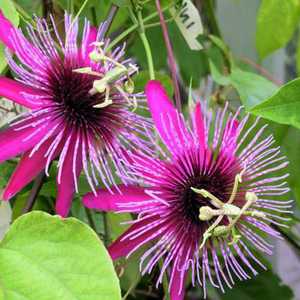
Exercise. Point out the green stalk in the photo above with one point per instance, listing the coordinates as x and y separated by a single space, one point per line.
146 44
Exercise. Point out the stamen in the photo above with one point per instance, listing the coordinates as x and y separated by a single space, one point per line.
206 194
237 180
206 213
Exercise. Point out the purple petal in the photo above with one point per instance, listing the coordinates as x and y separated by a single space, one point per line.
14 91
91 37
6 29
66 188
14 142
28 168
106 201
122 246
168 121
199 125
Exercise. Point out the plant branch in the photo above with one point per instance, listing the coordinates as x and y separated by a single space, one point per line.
171 58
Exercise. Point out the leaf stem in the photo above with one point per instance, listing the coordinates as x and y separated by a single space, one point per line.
146 44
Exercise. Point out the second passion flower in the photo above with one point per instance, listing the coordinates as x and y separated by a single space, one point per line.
210 197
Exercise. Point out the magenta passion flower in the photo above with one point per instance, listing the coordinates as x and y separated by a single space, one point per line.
80 100
207 203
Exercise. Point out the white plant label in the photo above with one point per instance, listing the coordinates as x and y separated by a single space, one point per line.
189 22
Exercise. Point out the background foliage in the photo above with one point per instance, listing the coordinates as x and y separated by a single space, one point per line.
43 257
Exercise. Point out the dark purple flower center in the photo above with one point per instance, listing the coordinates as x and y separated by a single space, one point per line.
192 202
70 90
218 181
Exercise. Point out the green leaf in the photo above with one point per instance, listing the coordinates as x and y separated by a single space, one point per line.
217 66
276 23
298 57
10 12
121 3
252 88
45 257
141 79
284 106
266 286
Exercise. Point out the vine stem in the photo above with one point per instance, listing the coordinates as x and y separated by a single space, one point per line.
146 45
107 235
90 219
171 57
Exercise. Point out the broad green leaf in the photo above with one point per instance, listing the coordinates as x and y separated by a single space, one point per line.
284 106
265 286
252 88
276 23
46 257
10 12
289 141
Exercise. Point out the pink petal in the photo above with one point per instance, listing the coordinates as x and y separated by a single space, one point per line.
6 29
14 142
175 284
199 125
27 169
8 33
168 121
66 189
106 201
14 91
122 246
